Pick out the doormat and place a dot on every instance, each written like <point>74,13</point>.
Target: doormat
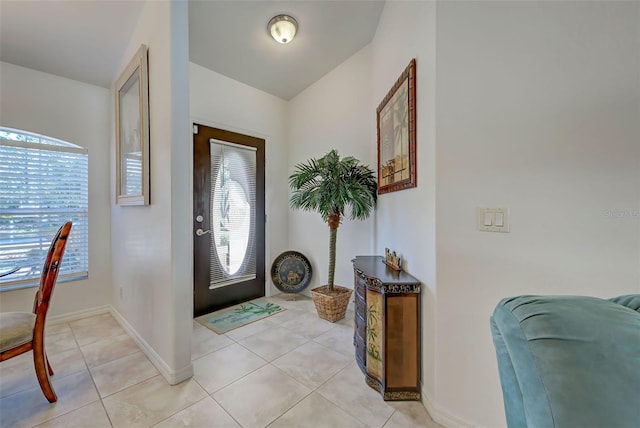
<point>236,316</point>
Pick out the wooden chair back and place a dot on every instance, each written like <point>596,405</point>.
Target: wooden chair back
<point>50,274</point>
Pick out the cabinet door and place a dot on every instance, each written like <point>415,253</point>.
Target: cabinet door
<point>375,330</point>
<point>402,341</point>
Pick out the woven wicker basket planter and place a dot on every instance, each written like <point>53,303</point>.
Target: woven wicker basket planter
<point>331,306</point>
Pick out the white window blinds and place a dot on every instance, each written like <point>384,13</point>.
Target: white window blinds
<point>233,207</point>
<point>43,183</point>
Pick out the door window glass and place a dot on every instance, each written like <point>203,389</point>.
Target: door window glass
<point>233,174</point>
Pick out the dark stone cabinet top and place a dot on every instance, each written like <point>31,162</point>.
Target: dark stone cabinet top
<point>380,276</point>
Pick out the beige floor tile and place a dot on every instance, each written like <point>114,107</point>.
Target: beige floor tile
<point>66,363</point>
<point>348,320</point>
<point>222,367</point>
<point>260,397</point>
<point>93,320</point>
<point>119,374</point>
<point>297,302</point>
<point>308,325</point>
<point>104,319</point>
<point>96,328</point>
<point>340,339</point>
<point>306,353</point>
<point>250,329</point>
<point>106,350</point>
<point>18,374</point>
<point>273,343</point>
<point>204,414</point>
<point>312,364</point>
<point>205,341</point>
<point>54,343</point>
<point>306,305</point>
<point>92,415</point>
<point>57,328</point>
<point>315,411</point>
<point>29,408</point>
<point>150,402</point>
<point>288,315</point>
<point>348,390</point>
<point>410,414</point>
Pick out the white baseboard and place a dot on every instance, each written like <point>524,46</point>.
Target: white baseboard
<point>173,377</point>
<point>72,316</point>
<point>438,415</point>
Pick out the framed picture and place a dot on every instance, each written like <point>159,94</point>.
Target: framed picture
<point>396,123</point>
<point>132,132</point>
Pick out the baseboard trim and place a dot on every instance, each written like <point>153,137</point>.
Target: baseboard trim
<point>73,316</point>
<point>440,416</point>
<point>173,377</point>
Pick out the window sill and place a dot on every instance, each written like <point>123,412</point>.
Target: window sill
<point>19,285</point>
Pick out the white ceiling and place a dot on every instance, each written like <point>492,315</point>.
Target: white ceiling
<point>231,37</point>
<point>80,40</point>
<point>85,40</point>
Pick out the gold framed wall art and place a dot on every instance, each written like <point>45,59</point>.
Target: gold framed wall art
<point>396,126</point>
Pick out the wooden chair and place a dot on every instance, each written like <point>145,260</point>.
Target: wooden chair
<point>21,332</point>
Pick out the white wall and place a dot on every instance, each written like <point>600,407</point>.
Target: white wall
<point>538,108</point>
<point>78,113</point>
<point>151,245</point>
<point>333,113</point>
<point>535,108</point>
<point>224,103</point>
<point>405,220</point>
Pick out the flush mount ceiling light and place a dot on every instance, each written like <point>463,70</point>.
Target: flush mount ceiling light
<point>283,28</point>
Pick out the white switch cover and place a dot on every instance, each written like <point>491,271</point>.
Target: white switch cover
<point>491,219</point>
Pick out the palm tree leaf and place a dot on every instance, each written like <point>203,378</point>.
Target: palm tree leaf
<point>330,185</point>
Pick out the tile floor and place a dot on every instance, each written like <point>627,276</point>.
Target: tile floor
<point>288,370</point>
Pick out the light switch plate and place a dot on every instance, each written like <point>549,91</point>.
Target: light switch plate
<point>495,214</point>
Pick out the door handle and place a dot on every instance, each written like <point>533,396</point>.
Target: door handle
<point>201,232</point>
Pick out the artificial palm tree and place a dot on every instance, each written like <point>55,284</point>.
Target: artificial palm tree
<point>330,186</point>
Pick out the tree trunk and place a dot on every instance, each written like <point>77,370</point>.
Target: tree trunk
<point>334,222</point>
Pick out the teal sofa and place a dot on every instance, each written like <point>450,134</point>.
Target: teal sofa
<point>569,361</point>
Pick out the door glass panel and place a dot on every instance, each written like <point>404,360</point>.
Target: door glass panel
<point>233,183</point>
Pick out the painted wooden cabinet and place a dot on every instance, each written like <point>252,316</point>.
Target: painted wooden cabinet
<point>387,328</point>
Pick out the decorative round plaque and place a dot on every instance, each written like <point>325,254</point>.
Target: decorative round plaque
<point>291,272</point>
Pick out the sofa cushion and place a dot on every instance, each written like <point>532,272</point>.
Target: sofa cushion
<point>569,361</point>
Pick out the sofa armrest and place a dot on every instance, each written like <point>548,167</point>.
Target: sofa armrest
<point>569,361</point>
<point>631,301</point>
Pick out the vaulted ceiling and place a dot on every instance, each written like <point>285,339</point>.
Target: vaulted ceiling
<point>85,40</point>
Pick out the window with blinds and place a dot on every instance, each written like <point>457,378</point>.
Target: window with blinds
<point>233,206</point>
<point>43,183</point>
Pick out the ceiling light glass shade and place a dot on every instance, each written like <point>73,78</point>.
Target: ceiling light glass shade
<point>283,28</point>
